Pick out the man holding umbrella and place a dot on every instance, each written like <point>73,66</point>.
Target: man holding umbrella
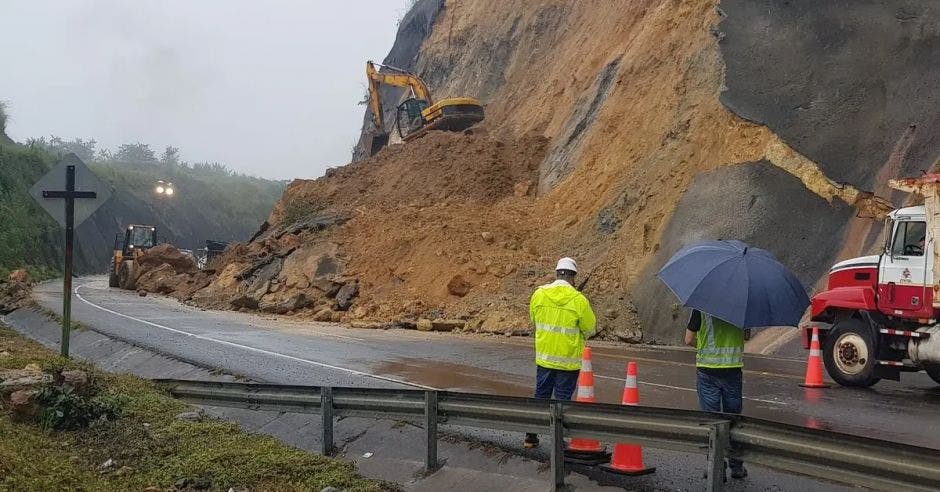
<point>719,360</point>
<point>730,287</point>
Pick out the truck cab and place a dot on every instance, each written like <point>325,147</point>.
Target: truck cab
<point>878,312</point>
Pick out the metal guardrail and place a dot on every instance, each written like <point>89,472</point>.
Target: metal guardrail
<point>821,454</point>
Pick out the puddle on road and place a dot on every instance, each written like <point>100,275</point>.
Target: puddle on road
<point>456,377</point>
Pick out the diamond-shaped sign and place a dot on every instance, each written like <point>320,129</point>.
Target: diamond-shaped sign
<point>85,181</point>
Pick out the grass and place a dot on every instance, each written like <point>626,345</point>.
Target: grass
<point>151,448</point>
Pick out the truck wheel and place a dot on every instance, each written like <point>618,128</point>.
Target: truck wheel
<point>934,372</point>
<point>113,277</point>
<point>126,276</point>
<point>849,354</point>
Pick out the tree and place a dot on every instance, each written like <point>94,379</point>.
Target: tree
<point>55,145</point>
<point>4,116</point>
<point>170,157</point>
<point>135,153</point>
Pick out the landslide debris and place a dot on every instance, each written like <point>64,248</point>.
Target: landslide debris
<point>14,291</point>
<point>163,269</point>
<point>606,139</point>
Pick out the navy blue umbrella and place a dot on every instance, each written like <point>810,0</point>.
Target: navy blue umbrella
<point>744,286</point>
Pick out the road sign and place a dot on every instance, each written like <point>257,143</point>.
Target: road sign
<point>85,181</point>
<point>81,193</point>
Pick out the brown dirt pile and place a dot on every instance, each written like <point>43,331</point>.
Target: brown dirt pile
<point>437,168</point>
<point>163,269</point>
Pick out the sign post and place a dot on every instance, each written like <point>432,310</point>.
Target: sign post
<point>66,174</point>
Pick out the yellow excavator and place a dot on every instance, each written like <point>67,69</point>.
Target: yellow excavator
<point>418,114</point>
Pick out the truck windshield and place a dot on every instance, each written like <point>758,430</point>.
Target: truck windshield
<point>909,239</point>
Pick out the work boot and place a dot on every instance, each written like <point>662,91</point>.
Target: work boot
<point>739,472</point>
<point>531,441</point>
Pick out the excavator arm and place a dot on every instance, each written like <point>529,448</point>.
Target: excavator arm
<point>395,77</point>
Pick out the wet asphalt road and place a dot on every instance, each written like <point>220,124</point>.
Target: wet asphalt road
<point>286,351</point>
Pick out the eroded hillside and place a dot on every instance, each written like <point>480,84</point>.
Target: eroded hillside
<point>616,132</point>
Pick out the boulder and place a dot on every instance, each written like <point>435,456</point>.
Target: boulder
<point>243,301</point>
<point>447,324</point>
<point>76,379</point>
<point>337,317</point>
<point>458,286</point>
<point>487,237</point>
<point>21,276</point>
<point>346,295</point>
<point>425,324</point>
<point>326,285</point>
<point>167,254</point>
<point>22,379</point>
<point>325,314</point>
<point>23,406</point>
<point>195,415</point>
<point>292,303</point>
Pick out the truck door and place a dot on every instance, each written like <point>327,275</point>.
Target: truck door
<point>903,280</point>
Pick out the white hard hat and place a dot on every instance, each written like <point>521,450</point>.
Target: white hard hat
<point>567,264</point>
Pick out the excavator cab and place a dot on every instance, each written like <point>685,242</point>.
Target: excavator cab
<point>410,117</point>
<point>127,249</point>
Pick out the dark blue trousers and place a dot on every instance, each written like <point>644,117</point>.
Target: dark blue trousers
<point>549,381</point>
<point>721,390</point>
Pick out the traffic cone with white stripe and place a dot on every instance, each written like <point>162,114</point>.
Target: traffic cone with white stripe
<point>628,458</point>
<point>814,365</point>
<point>580,450</point>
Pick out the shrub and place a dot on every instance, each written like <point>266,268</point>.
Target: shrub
<point>63,407</point>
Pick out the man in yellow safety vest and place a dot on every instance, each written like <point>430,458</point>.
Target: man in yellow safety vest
<point>719,359</point>
<point>563,321</point>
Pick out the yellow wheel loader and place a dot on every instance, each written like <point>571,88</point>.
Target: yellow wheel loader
<point>128,247</point>
<point>418,114</point>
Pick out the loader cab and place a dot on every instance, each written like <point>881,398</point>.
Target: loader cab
<point>137,238</point>
<point>905,277</point>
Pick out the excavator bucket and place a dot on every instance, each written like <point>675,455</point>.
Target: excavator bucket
<point>375,142</point>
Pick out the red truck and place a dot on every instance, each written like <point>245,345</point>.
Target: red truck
<point>878,315</point>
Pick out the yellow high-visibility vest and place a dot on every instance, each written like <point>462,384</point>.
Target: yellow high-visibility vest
<point>563,321</point>
<point>719,344</point>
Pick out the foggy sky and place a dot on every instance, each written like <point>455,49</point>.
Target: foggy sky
<point>269,88</point>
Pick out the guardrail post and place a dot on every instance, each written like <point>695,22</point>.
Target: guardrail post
<point>430,425</point>
<point>326,412</point>
<point>719,438</point>
<point>558,446</point>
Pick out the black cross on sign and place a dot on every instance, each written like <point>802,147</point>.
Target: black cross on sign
<point>69,195</point>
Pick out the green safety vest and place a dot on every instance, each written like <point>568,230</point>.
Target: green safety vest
<point>563,321</point>
<point>720,344</point>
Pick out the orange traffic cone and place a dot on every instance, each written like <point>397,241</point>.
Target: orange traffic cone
<point>814,365</point>
<point>628,458</point>
<point>580,450</point>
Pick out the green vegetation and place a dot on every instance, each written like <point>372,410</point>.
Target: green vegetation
<point>298,210</point>
<point>212,202</point>
<point>28,236</point>
<point>149,446</point>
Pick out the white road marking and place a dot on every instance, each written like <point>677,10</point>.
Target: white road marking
<point>253,349</point>
<point>657,385</point>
